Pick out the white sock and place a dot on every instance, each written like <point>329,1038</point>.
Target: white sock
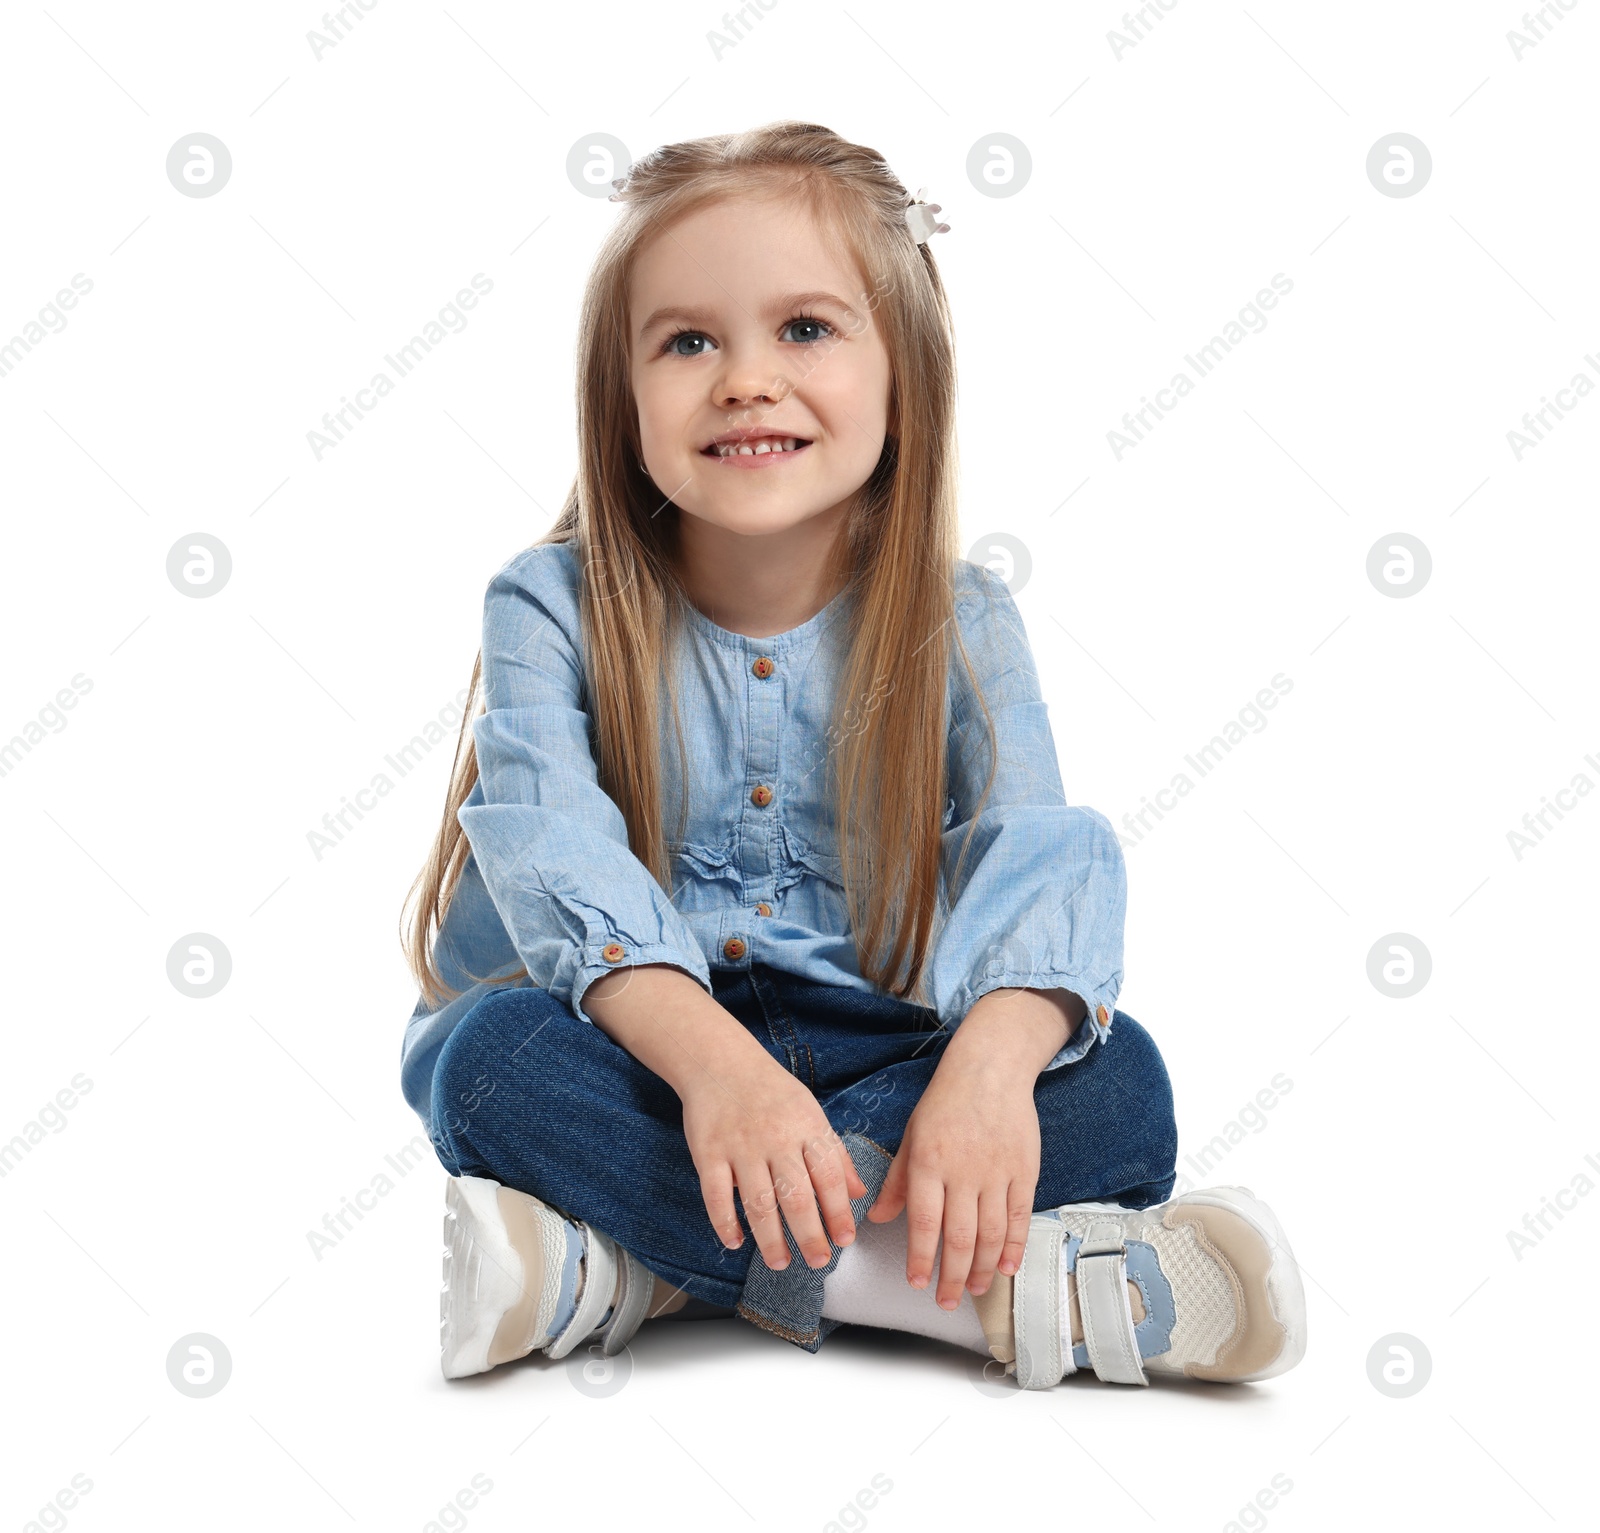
<point>869,1287</point>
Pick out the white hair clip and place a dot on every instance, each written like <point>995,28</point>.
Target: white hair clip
<point>919,217</point>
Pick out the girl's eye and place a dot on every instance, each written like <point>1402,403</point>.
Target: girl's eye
<point>695,343</point>
<point>812,324</point>
<point>684,335</point>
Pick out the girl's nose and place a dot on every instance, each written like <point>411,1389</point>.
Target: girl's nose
<point>749,379</point>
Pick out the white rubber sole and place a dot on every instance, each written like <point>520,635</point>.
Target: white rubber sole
<point>1285,1292</point>
<point>483,1276</point>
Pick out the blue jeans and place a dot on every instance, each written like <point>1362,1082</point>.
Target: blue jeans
<point>530,1096</point>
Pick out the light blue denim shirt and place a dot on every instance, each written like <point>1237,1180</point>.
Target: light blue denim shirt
<point>551,882</point>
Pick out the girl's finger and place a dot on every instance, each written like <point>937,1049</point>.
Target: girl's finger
<point>991,1237</point>
<point>924,1219</point>
<point>798,1199</point>
<point>1019,1215</point>
<point>892,1195</point>
<point>829,1137</point>
<point>852,1178</point>
<point>960,1241</point>
<point>716,1187</point>
<point>826,1161</point>
<point>761,1212</point>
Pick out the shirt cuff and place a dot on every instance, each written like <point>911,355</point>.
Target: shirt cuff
<point>1099,1007</point>
<point>606,957</point>
<point>1089,1032</point>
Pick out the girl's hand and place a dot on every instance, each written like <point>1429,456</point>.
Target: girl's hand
<point>754,1126</point>
<point>968,1166</point>
<point>969,1163</point>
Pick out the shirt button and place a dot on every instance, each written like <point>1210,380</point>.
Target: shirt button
<point>1102,1016</point>
<point>761,796</point>
<point>613,952</point>
<point>733,948</point>
<point>763,667</point>
<point>763,908</point>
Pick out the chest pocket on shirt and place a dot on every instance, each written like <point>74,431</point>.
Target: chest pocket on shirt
<point>800,858</point>
<point>697,866</point>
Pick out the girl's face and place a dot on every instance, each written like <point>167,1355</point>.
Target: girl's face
<point>747,325</point>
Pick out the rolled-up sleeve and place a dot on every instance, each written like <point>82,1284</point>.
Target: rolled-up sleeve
<point>550,843</point>
<point>1042,897</point>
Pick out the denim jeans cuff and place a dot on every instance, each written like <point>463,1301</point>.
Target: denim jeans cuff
<point>789,1302</point>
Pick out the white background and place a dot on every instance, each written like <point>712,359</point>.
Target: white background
<point>1168,186</point>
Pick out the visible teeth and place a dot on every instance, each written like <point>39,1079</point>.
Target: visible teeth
<point>765,444</point>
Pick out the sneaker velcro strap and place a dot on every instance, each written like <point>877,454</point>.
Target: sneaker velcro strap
<point>1038,1308</point>
<point>599,1278</point>
<point>638,1287</point>
<point>1103,1304</point>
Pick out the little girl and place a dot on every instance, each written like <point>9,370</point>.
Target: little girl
<point>759,905</point>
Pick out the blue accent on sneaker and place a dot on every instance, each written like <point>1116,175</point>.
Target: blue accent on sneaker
<point>567,1300</point>
<point>1154,1333</point>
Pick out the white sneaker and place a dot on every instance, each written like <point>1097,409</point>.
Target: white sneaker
<point>511,1263</point>
<point>1217,1286</point>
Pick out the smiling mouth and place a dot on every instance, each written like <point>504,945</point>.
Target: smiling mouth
<point>762,447</point>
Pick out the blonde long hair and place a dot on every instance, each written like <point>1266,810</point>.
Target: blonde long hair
<point>897,552</point>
